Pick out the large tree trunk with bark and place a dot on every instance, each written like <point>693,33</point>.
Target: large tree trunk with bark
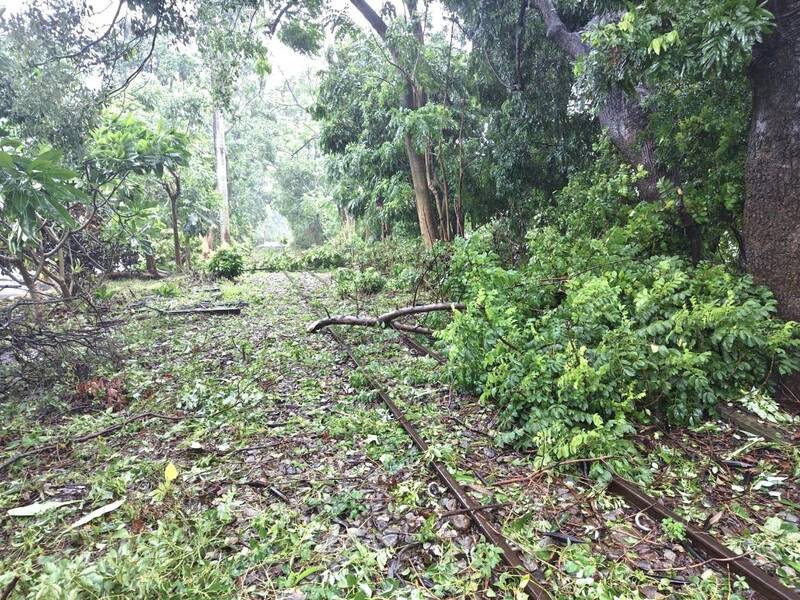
<point>624,119</point>
<point>772,173</point>
<point>413,98</point>
<point>221,161</point>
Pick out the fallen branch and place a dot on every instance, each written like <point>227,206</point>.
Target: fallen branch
<point>387,319</point>
<point>214,310</point>
<point>85,438</point>
<point>9,588</point>
<point>114,275</point>
<point>751,423</point>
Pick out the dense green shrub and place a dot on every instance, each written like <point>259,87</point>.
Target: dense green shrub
<point>351,283</point>
<point>226,262</point>
<point>591,334</point>
<point>404,278</point>
<point>326,256</point>
<point>384,256</point>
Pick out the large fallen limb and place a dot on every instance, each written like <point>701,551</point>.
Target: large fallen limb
<point>753,424</point>
<point>387,319</point>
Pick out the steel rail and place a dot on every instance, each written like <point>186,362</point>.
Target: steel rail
<point>511,557</point>
<point>409,341</point>
<point>758,579</point>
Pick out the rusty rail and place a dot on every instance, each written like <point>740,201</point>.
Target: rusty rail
<point>511,557</point>
<point>758,579</point>
<point>409,341</point>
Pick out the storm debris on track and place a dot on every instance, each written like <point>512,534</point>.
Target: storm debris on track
<point>387,319</point>
<point>716,552</point>
<point>510,555</point>
<point>291,481</point>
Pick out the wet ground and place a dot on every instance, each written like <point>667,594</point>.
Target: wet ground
<point>292,480</point>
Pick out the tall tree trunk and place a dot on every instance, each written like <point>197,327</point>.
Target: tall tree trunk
<point>207,243</point>
<point>426,215</point>
<point>772,172</point>
<point>174,193</point>
<point>150,265</point>
<point>221,161</point>
<point>176,240</point>
<point>620,115</point>
<point>413,98</point>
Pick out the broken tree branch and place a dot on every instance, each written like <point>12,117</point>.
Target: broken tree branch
<point>387,319</point>
<point>214,310</point>
<point>85,438</point>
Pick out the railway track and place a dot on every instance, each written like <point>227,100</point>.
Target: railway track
<point>706,544</point>
<point>510,556</point>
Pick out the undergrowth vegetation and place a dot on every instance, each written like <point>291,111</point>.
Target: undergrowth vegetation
<point>587,335</point>
<point>351,283</point>
<point>227,263</point>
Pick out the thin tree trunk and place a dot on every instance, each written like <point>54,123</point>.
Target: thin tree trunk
<point>61,261</point>
<point>173,201</point>
<point>174,194</point>
<point>460,195</point>
<point>33,292</point>
<point>221,161</point>
<point>413,98</point>
<point>772,172</point>
<point>447,229</point>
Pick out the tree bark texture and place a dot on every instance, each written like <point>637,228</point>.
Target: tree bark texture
<point>772,171</point>
<point>221,161</point>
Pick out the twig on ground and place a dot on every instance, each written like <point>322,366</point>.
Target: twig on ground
<point>85,438</point>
